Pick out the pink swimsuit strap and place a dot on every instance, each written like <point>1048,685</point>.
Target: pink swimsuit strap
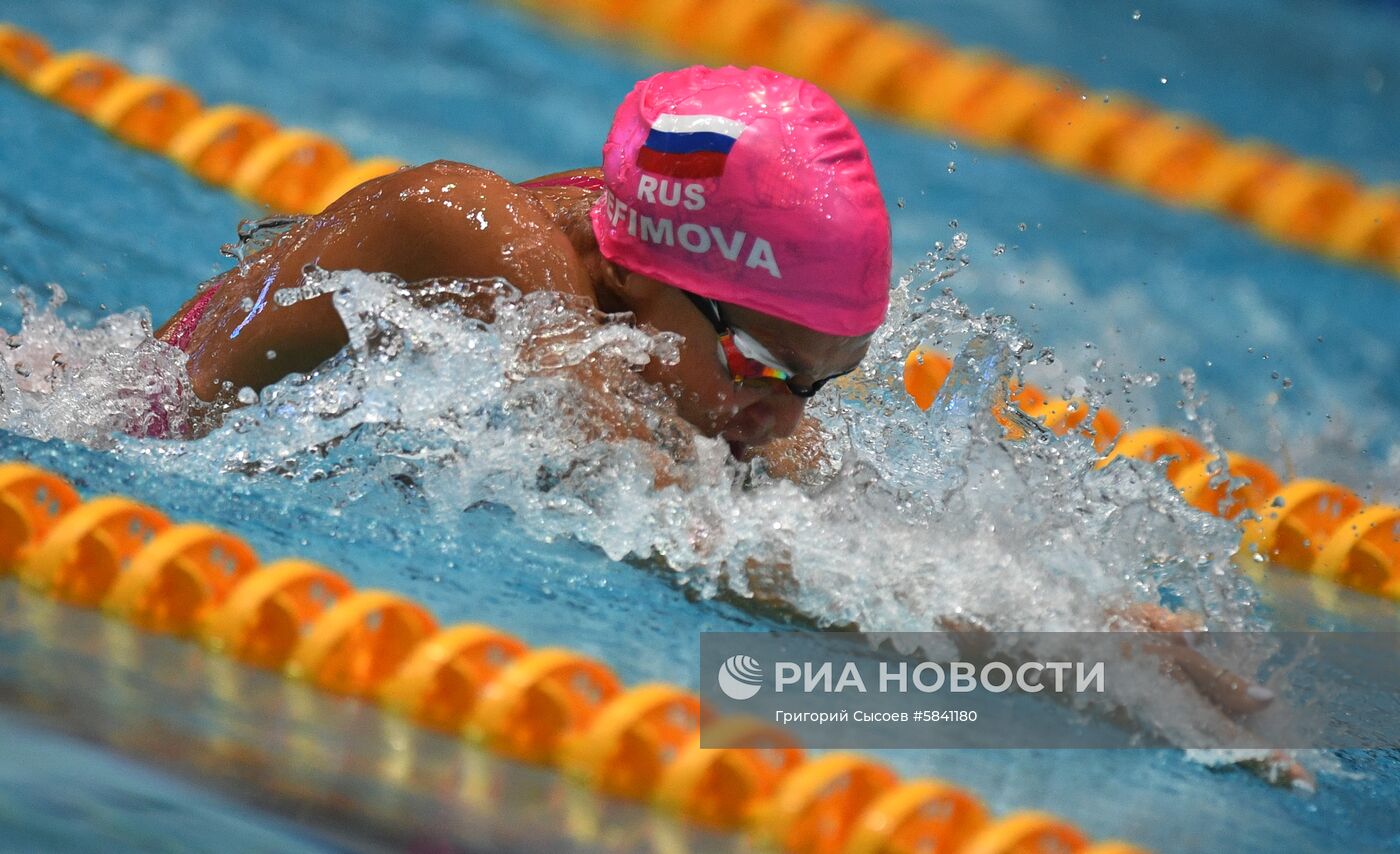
<point>184,327</point>
<point>583,182</point>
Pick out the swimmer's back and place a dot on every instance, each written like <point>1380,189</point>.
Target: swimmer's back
<point>439,220</point>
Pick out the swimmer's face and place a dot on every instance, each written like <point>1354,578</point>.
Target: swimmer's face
<point>752,413</point>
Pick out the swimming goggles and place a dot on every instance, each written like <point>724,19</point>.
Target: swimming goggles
<point>747,360</point>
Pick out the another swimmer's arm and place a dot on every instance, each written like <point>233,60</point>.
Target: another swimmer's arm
<point>441,220</point>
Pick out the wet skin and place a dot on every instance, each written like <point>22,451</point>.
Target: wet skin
<point>447,220</point>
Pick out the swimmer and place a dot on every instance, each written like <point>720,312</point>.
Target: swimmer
<point>735,207</point>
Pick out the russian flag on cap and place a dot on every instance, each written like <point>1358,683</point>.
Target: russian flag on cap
<point>689,146</point>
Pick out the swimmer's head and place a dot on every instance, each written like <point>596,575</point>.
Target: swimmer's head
<point>748,187</point>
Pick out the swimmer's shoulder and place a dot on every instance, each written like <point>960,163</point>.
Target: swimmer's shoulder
<point>447,219</point>
<point>440,183</point>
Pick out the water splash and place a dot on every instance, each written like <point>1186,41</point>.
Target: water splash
<point>255,235</point>
<point>90,385</point>
<point>916,518</point>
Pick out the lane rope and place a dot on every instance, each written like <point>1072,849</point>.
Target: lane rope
<point>884,66</point>
<point>912,75</point>
<point>1309,525</point>
<point>290,170</point>
<point>544,706</point>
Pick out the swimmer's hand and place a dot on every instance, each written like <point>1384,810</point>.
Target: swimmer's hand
<point>793,457</point>
<point>1235,695</point>
<point>1232,693</point>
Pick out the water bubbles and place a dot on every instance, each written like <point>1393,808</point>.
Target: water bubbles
<point>899,202</point>
<point>247,396</point>
<point>315,282</point>
<point>1162,80</point>
<point>953,144</point>
<point>1137,14</point>
<point>271,354</point>
<point>999,249</point>
<point>89,384</point>
<point>952,167</point>
<point>1020,226</point>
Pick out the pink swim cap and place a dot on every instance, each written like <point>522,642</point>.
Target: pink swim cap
<point>749,187</point>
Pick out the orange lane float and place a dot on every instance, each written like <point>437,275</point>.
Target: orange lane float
<point>633,739</point>
<point>540,701</point>
<point>1157,443</point>
<point>725,788</point>
<point>32,501</point>
<point>145,111</point>
<point>1291,528</point>
<point>288,170</point>
<point>818,805</point>
<point>545,706</point>
<point>918,816</point>
<point>20,52</point>
<point>179,579</point>
<point>1364,551</point>
<point>1242,483</point>
<point>1027,832</point>
<point>271,609</point>
<point>75,80</point>
<point>360,641</point>
<point>439,684</point>
<point>214,143</point>
<point>82,556</point>
<point>353,176</point>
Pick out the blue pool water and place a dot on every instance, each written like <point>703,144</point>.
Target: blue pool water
<point>1096,274</point>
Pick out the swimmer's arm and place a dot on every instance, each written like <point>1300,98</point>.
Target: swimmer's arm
<point>441,220</point>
